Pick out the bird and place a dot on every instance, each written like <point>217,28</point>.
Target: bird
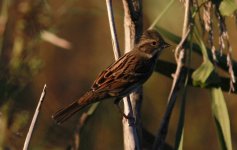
<point>122,77</point>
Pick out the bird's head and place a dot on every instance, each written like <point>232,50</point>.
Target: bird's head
<point>151,43</point>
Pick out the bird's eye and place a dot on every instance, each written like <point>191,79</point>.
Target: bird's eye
<point>154,43</point>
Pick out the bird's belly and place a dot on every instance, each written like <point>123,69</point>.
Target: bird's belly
<point>130,89</point>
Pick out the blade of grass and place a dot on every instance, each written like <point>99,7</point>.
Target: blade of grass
<point>201,74</point>
<point>161,14</point>
<point>221,116</point>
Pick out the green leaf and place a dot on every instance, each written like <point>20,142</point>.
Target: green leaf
<point>227,7</point>
<point>221,116</point>
<point>201,44</point>
<point>201,74</point>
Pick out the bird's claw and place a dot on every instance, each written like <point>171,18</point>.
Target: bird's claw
<point>130,118</point>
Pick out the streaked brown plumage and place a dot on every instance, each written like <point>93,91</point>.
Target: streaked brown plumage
<point>122,77</point>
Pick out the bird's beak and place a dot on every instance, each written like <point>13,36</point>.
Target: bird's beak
<point>165,45</point>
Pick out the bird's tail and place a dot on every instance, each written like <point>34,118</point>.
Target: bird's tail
<point>65,113</point>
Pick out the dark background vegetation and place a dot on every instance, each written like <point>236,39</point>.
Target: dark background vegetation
<point>69,73</point>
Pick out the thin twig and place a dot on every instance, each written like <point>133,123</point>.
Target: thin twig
<point>81,122</point>
<point>177,81</point>
<point>179,46</point>
<point>37,110</point>
<point>112,29</point>
<point>179,55</point>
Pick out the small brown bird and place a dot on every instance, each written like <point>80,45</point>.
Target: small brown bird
<point>122,77</point>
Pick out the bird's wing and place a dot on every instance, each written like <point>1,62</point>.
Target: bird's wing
<point>119,76</point>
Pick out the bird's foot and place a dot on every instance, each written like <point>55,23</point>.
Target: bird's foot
<point>130,118</point>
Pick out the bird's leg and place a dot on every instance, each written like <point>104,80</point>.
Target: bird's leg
<point>116,102</point>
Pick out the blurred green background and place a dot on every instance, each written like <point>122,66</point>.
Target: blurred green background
<point>69,73</point>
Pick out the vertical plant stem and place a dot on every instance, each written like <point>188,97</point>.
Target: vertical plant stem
<point>32,125</point>
<point>115,44</point>
<point>130,132</point>
<point>132,105</point>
